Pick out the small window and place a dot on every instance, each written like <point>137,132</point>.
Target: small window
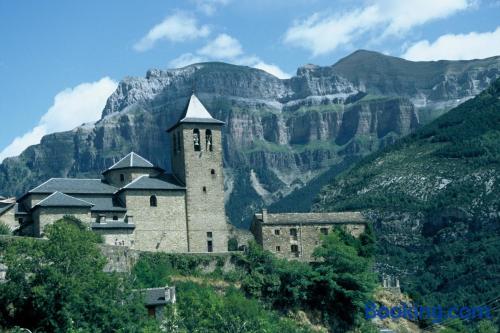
<point>210,246</point>
<point>278,248</point>
<point>209,234</point>
<point>324,231</point>
<point>204,189</point>
<point>208,140</point>
<point>277,232</point>
<point>196,140</point>
<point>20,220</point>
<point>122,177</point>
<point>212,172</point>
<point>115,218</point>
<point>153,202</point>
<point>293,233</point>
<point>295,248</point>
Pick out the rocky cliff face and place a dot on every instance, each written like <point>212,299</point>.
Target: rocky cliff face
<point>279,134</point>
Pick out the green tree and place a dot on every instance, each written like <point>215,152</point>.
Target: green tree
<point>343,281</point>
<point>59,285</point>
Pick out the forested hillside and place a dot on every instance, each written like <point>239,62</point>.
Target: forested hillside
<point>434,199</point>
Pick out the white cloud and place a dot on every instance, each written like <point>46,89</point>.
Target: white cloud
<point>175,28</point>
<point>321,33</point>
<point>457,47</point>
<point>222,47</point>
<point>209,7</point>
<point>271,69</point>
<point>72,107</point>
<point>227,48</point>
<point>186,59</point>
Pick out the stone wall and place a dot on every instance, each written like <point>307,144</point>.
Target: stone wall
<point>204,181</point>
<point>279,239</point>
<point>121,259</point>
<point>160,228</point>
<point>9,219</point>
<point>130,174</point>
<point>43,216</point>
<point>118,237</point>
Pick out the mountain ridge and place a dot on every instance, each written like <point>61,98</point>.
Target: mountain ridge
<point>283,132</point>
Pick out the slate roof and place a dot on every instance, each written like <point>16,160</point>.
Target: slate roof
<point>6,207</point>
<point>132,160</point>
<point>58,199</point>
<point>145,182</point>
<point>313,218</point>
<point>74,186</point>
<point>195,112</point>
<point>113,225</point>
<point>103,204</point>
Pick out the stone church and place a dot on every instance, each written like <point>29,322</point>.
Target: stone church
<point>137,204</point>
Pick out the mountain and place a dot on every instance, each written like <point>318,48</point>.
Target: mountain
<point>434,200</point>
<point>280,134</point>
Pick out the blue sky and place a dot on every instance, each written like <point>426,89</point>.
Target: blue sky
<point>60,60</point>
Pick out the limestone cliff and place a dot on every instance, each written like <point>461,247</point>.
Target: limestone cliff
<point>279,134</point>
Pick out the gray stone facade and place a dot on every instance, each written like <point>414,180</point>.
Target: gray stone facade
<point>296,235</point>
<point>202,173</point>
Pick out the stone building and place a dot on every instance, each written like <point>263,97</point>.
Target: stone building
<point>296,235</point>
<point>137,204</point>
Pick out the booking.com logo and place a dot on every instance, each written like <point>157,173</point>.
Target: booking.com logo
<point>419,312</point>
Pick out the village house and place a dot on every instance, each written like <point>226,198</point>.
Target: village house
<point>296,235</point>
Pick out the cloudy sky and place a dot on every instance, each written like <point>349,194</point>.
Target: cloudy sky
<point>60,60</point>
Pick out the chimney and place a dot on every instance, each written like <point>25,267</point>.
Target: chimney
<point>264,215</point>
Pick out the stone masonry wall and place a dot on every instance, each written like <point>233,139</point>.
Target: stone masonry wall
<point>44,216</point>
<point>204,190</point>
<point>117,237</point>
<point>113,177</point>
<point>160,228</point>
<point>9,219</point>
<point>307,239</point>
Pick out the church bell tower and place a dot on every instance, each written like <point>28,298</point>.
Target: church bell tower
<point>197,162</point>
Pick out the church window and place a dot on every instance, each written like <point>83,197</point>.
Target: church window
<point>153,202</point>
<point>196,139</point>
<point>175,144</point>
<point>208,139</point>
<point>122,177</point>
